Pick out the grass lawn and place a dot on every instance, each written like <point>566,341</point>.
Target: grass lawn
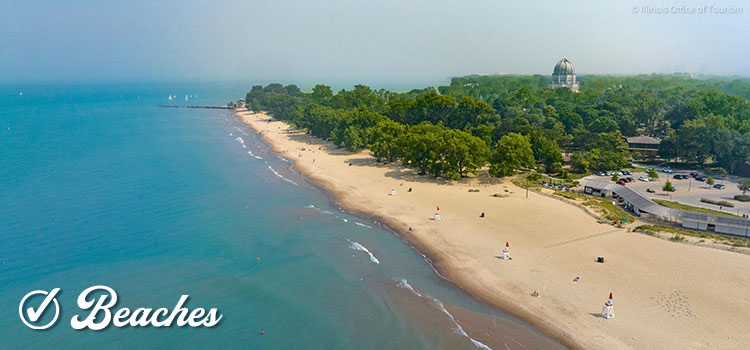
<point>676,205</point>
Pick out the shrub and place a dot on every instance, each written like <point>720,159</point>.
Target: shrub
<point>721,203</point>
<point>742,197</point>
<point>668,187</point>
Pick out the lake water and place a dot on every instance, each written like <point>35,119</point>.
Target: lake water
<point>99,186</point>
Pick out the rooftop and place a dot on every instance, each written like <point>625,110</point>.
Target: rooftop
<point>643,139</point>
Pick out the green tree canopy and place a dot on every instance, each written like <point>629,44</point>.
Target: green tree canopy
<point>512,151</point>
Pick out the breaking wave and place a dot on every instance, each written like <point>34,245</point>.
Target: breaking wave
<point>458,329</point>
<point>361,224</point>
<point>251,153</point>
<point>357,246</point>
<point>281,176</point>
<point>241,141</point>
<point>403,283</point>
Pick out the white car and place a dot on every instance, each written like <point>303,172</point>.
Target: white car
<point>644,179</point>
<point>667,170</point>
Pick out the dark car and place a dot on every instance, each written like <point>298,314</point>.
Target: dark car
<point>625,172</point>
<point>680,176</point>
<point>701,178</point>
<point>719,186</point>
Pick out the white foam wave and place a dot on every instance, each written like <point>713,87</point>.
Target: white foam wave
<point>361,224</point>
<point>310,206</point>
<point>251,153</point>
<point>281,176</point>
<point>458,329</point>
<point>240,130</point>
<point>241,141</point>
<point>357,246</point>
<point>427,260</point>
<point>284,159</point>
<point>403,283</point>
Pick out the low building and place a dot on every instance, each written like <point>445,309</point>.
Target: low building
<point>642,206</point>
<point>645,145</point>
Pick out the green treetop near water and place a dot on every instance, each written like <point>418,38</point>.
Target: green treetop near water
<point>463,127</point>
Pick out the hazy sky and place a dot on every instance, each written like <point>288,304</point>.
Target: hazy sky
<point>375,41</point>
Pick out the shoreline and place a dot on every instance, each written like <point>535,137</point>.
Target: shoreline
<point>441,251</point>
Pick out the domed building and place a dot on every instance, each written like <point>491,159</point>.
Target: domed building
<point>564,75</point>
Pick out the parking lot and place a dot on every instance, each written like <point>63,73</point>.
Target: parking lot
<point>688,191</point>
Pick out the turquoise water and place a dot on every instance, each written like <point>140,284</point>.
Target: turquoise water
<point>99,186</point>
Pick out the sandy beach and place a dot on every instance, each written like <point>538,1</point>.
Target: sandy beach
<point>667,295</point>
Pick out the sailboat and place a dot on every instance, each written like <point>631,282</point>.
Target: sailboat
<point>186,98</point>
<point>170,97</point>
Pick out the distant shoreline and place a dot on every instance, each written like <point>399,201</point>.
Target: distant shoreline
<point>639,270</point>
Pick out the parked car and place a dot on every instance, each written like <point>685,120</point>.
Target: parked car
<point>644,179</point>
<point>625,172</point>
<point>667,170</point>
<point>701,178</point>
<point>621,182</point>
<point>649,190</point>
<point>681,177</point>
<point>601,173</point>
<point>693,174</point>
<point>719,186</point>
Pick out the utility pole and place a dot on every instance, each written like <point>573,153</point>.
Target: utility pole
<point>527,185</point>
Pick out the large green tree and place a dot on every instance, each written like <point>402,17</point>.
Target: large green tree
<point>512,151</point>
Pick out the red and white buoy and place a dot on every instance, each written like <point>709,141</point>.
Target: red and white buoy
<point>437,214</point>
<point>608,311</point>
<point>506,252</point>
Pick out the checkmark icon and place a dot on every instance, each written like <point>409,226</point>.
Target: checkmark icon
<point>34,315</point>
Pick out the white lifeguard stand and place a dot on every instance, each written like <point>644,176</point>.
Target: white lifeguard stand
<point>437,214</point>
<point>608,311</point>
<point>506,252</point>
<point>393,191</point>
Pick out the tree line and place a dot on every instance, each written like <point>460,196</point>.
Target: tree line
<point>512,122</point>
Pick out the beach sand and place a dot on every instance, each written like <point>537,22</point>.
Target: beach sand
<point>667,295</point>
